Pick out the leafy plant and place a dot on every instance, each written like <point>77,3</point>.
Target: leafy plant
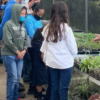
<point>90,63</point>
<point>83,90</point>
<point>85,65</point>
<point>84,41</point>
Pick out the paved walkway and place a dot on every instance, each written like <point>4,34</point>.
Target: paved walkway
<point>75,79</point>
<point>3,85</point>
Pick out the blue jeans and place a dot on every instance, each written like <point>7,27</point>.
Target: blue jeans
<point>14,70</point>
<point>60,80</point>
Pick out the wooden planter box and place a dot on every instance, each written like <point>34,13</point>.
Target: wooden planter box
<point>89,77</point>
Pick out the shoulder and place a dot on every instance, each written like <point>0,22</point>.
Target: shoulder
<point>67,27</point>
<point>45,30</point>
<point>9,5</point>
<point>7,25</point>
<point>26,5</point>
<point>29,17</point>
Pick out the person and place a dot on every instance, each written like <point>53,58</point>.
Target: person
<point>6,17</point>
<point>33,22</point>
<point>3,2</point>
<point>30,4</point>
<point>2,7</point>
<point>58,50</point>
<point>14,45</point>
<point>27,60</point>
<point>39,73</point>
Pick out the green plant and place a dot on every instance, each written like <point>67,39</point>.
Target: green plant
<point>90,63</point>
<point>84,41</point>
<point>85,65</point>
<point>83,90</point>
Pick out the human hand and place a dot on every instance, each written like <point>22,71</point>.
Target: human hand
<point>97,39</point>
<point>23,52</point>
<point>19,56</point>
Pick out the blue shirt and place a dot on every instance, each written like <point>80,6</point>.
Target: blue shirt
<point>31,24</point>
<point>7,15</point>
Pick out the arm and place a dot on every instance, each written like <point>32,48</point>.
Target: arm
<point>25,46</point>
<point>42,54</point>
<point>29,25</point>
<point>97,39</point>
<point>7,38</point>
<point>71,43</point>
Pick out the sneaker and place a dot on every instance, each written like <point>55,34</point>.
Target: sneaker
<point>21,95</point>
<point>30,91</point>
<point>21,89</point>
<point>18,98</point>
<point>35,95</point>
<point>21,85</point>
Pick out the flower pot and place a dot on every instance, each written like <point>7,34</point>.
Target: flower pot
<point>96,76</point>
<point>87,71</point>
<point>91,73</point>
<point>76,65</point>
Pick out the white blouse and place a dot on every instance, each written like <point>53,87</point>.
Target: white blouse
<point>59,55</point>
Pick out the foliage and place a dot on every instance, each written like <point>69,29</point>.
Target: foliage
<point>83,90</point>
<point>84,41</point>
<point>90,63</point>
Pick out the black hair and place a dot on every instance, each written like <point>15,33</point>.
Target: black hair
<point>29,0</point>
<point>24,8</point>
<point>37,7</point>
<point>37,36</point>
<point>34,5</point>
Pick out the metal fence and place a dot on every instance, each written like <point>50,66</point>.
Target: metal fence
<point>83,14</point>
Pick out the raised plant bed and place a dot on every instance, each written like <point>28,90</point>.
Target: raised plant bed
<point>91,52</point>
<point>89,77</point>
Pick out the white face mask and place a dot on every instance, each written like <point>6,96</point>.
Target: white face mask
<point>24,2</point>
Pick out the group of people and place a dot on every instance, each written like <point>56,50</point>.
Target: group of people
<point>49,50</point>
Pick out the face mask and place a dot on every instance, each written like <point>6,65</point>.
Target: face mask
<point>22,2</point>
<point>5,3</point>
<point>37,17</point>
<point>21,19</point>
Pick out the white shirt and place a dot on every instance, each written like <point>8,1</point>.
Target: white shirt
<point>60,55</point>
<point>29,11</point>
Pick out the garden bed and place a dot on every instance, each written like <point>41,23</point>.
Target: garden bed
<point>91,52</point>
<point>84,43</point>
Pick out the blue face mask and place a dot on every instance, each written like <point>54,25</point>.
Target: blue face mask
<point>21,19</point>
